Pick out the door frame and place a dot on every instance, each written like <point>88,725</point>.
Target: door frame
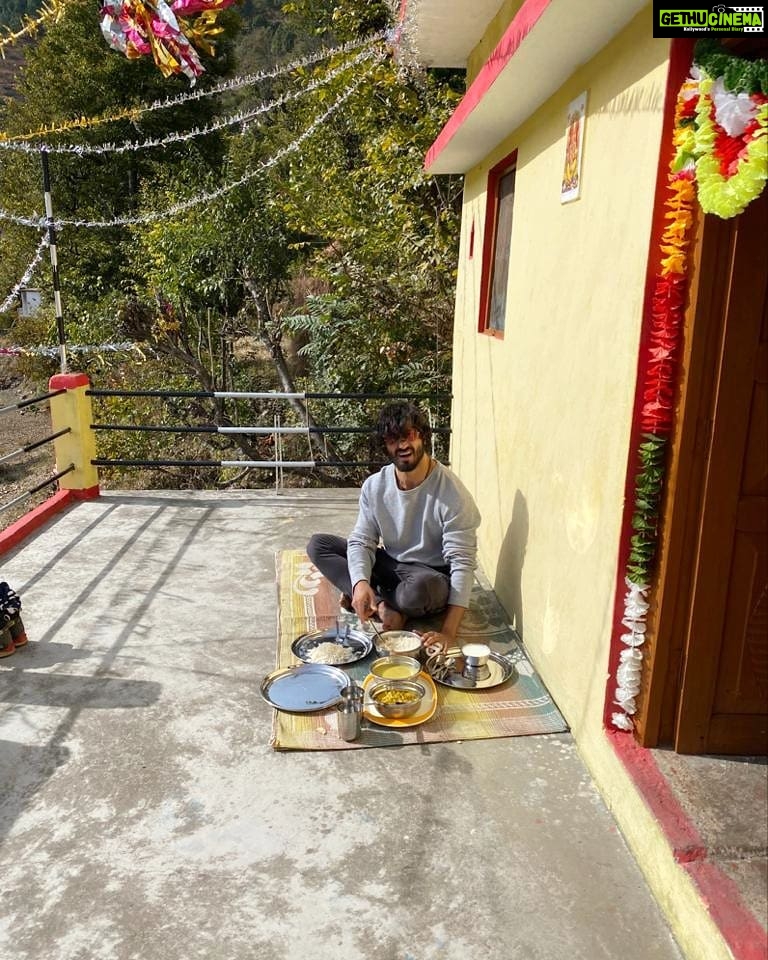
<point>668,712</point>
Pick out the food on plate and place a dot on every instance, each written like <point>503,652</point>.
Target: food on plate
<point>396,695</point>
<point>394,671</point>
<point>328,652</point>
<point>400,641</point>
<point>397,700</point>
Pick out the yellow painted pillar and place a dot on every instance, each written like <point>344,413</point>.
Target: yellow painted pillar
<point>73,409</point>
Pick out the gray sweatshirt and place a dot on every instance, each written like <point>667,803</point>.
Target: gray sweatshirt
<point>435,523</point>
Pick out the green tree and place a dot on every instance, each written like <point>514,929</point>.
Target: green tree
<point>71,73</point>
<point>331,269</point>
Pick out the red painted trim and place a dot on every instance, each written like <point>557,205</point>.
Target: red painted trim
<point>68,381</point>
<point>652,785</point>
<point>87,493</point>
<point>25,526</point>
<point>743,933</point>
<point>489,241</point>
<point>680,60</point>
<point>524,21</point>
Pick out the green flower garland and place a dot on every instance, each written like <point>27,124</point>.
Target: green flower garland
<point>739,75</point>
<point>645,518</point>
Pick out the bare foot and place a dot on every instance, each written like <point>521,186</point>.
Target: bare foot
<point>390,619</point>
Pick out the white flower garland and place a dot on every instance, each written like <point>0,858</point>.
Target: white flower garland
<point>629,671</point>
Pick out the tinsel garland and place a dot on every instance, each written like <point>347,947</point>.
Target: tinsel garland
<point>49,13</point>
<point>231,85</point>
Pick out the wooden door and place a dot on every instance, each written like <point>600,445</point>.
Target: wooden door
<point>722,705</point>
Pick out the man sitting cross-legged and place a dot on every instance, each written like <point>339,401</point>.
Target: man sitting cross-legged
<point>413,549</point>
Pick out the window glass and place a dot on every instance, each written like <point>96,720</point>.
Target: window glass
<point>502,240</point>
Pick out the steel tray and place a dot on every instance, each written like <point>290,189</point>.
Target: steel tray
<point>357,644</point>
<point>451,674</point>
<point>305,688</point>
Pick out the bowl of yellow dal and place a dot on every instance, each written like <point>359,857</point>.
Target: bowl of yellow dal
<point>395,667</point>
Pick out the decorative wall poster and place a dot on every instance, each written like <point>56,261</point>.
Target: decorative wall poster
<point>574,141</point>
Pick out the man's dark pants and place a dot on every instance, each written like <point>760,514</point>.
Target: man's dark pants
<point>413,589</point>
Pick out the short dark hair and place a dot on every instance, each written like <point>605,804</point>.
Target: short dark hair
<point>396,419</point>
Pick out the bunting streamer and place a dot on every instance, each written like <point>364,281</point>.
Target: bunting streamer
<point>225,86</point>
<point>139,28</point>
<point>175,209</point>
<point>244,119</point>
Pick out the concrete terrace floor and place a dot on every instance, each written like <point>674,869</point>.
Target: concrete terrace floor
<point>143,814</point>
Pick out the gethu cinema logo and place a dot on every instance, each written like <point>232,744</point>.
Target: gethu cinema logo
<point>749,19</point>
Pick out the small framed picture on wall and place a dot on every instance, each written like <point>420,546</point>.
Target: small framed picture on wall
<point>574,142</point>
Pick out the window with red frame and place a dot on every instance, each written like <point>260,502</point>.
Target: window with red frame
<point>496,246</point>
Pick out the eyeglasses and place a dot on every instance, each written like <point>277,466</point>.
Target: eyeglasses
<point>391,438</point>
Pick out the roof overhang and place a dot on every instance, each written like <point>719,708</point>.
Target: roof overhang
<point>443,33</point>
<point>544,44</point>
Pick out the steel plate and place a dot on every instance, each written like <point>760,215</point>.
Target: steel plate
<point>500,670</point>
<point>356,643</point>
<point>305,688</point>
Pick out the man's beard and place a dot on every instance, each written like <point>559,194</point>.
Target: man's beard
<point>409,465</point>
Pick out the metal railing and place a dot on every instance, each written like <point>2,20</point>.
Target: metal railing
<point>277,430</point>
<point>73,415</point>
<point>27,448</point>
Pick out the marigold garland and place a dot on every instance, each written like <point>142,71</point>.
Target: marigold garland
<point>720,138</point>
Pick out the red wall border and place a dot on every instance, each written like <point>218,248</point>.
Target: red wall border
<point>25,526</point>
<point>743,933</point>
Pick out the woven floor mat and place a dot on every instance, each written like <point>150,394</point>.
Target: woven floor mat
<point>520,706</point>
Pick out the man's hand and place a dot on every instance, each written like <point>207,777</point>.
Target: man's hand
<point>432,639</point>
<point>446,636</point>
<point>364,600</point>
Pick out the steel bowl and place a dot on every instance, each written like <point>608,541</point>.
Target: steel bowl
<point>392,707</point>
<point>398,643</point>
<point>395,668</point>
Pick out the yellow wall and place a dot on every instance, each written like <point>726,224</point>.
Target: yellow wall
<point>542,417</point>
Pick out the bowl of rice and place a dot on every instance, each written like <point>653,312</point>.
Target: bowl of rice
<point>401,643</point>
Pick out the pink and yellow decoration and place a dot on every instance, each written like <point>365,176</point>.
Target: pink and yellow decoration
<point>169,33</point>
